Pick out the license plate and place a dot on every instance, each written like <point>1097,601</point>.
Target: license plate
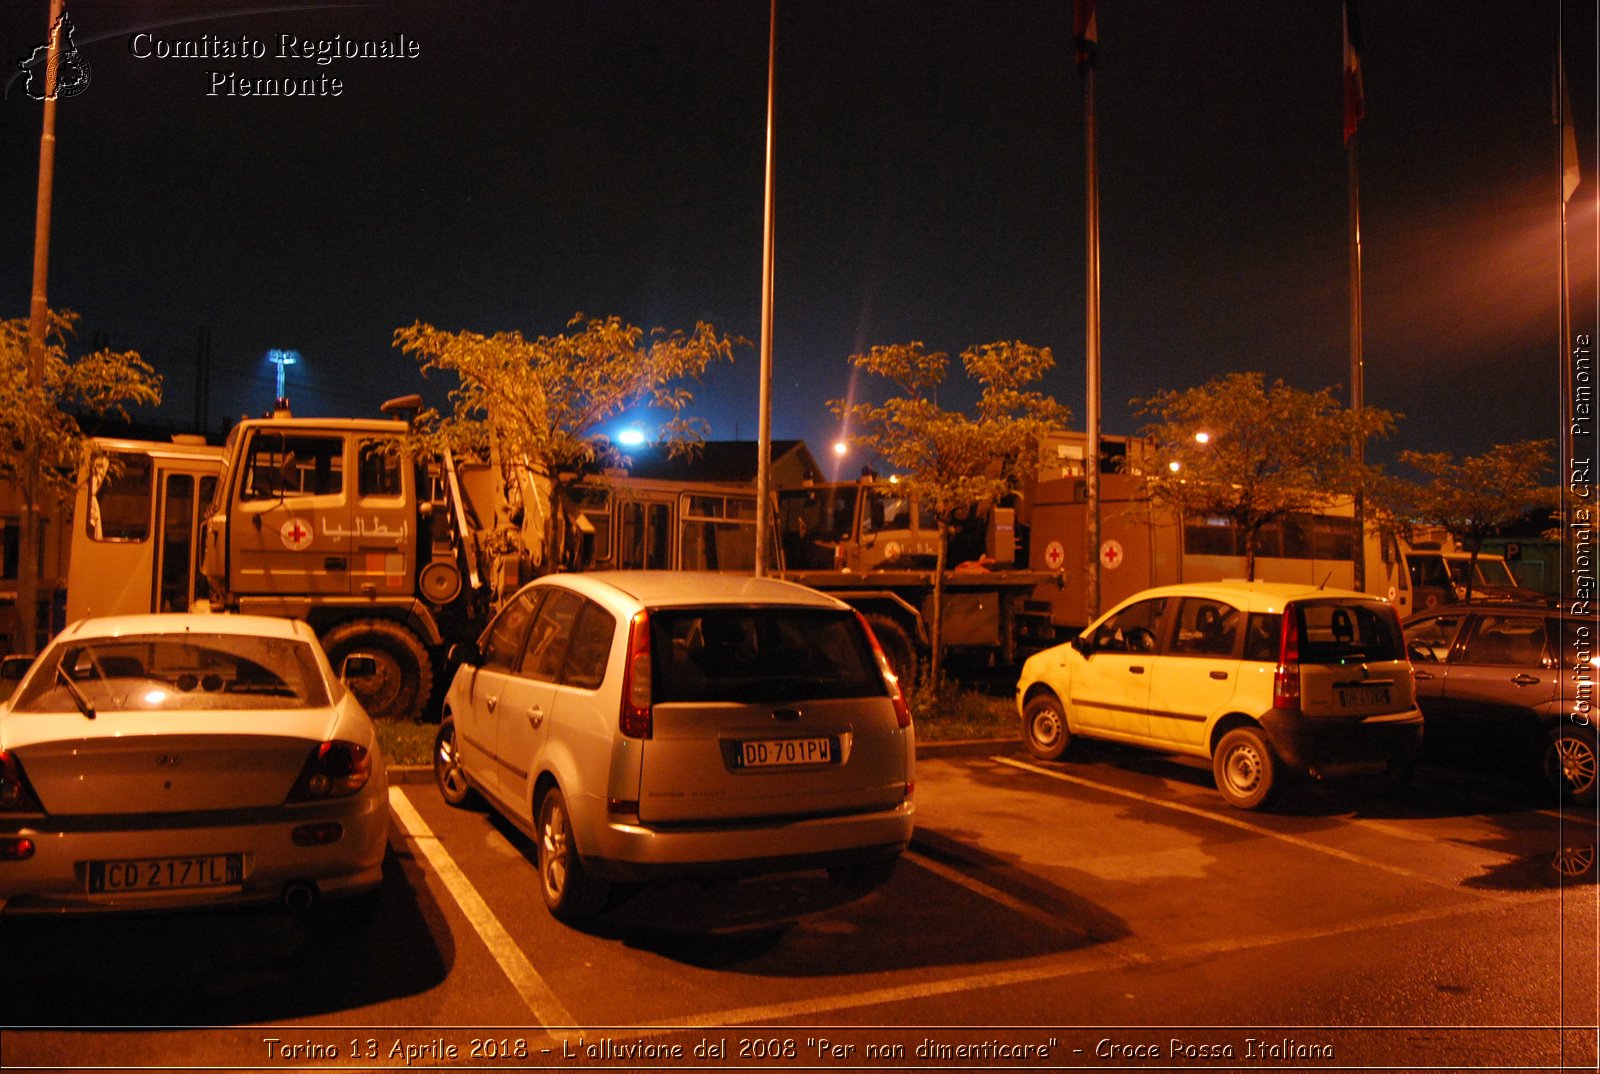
<point>779,752</point>
<point>161,874</point>
<point>1350,696</point>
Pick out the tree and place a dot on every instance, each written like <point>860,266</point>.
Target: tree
<point>947,462</point>
<point>101,383</point>
<point>1475,497</point>
<point>1255,454</point>
<point>535,406</point>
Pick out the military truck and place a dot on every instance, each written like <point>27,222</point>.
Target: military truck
<point>871,545</point>
<point>334,521</point>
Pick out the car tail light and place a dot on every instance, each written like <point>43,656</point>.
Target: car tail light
<point>635,719</point>
<point>16,796</point>
<point>335,769</point>
<point>317,835</point>
<point>16,848</point>
<point>1286,680</point>
<point>902,709</point>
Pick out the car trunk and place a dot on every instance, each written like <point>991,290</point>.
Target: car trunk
<point>1352,660</point>
<point>725,761</point>
<point>166,773</point>
<point>767,712</point>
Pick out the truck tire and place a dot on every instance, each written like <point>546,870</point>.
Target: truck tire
<point>896,645</point>
<point>403,682</point>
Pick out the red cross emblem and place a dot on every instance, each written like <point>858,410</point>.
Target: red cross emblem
<point>296,535</point>
<point>1111,555</point>
<point>1054,554</point>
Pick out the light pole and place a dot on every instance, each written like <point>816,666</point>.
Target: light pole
<point>281,359</point>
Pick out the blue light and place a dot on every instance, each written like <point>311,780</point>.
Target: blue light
<point>281,359</point>
<point>630,438</point>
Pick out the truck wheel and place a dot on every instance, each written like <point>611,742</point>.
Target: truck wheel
<point>402,683</point>
<point>896,645</point>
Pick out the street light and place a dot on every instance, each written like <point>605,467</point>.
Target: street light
<point>281,359</point>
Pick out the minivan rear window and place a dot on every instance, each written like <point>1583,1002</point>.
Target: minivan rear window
<point>761,654</point>
<point>1339,631</point>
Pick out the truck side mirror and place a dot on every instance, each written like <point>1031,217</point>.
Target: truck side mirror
<point>358,666</point>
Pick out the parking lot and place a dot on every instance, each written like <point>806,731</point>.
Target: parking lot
<point>1039,902</point>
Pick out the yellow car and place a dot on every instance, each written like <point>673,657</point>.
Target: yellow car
<point>1257,677</point>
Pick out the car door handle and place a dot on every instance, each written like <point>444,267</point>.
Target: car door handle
<point>1525,679</point>
<point>490,702</point>
<point>535,716</point>
<point>1422,676</point>
<point>1137,669</point>
<point>1220,676</point>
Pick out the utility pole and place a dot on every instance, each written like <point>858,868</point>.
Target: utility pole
<point>28,544</point>
<point>764,421</point>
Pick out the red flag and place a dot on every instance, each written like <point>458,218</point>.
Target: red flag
<point>1569,140</point>
<point>1085,35</point>
<point>1355,105</point>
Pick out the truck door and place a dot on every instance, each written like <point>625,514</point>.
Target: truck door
<point>384,545</point>
<point>179,583</point>
<point>292,525</point>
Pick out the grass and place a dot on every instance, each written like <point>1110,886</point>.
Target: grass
<point>955,712</point>
<point>943,715</point>
<point>406,741</point>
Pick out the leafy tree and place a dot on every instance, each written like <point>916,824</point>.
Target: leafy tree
<point>41,440</point>
<point>1475,497</point>
<point>949,462</point>
<point>1255,454</point>
<point>534,407</point>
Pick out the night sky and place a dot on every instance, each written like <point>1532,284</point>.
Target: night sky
<point>543,157</point>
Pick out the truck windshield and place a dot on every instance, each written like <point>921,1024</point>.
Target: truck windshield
<point>813,521</point>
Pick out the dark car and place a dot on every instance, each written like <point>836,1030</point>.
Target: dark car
<point>1510,682</point>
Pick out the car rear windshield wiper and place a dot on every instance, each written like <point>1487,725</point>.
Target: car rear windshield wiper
<point>77,695</point>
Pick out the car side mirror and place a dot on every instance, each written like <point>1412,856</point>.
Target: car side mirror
<point>358,666</point>
<point>465,653</point>
<point>1083,644</point>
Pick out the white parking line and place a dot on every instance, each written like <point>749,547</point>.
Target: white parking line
<point>1114,957</point>
<point>546,1008</point>
<point>1256,829</point>
<point>1052,921</point>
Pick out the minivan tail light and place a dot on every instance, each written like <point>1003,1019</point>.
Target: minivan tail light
<point>902,708</point>
<point>635,719</point>
<point>1286,680</point>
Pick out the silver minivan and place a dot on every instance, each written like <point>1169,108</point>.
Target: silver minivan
<point>644,725</point>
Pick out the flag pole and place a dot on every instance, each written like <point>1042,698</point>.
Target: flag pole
<point>1354,110</point>
<point>764,420</point>
<point>1087,35</point>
